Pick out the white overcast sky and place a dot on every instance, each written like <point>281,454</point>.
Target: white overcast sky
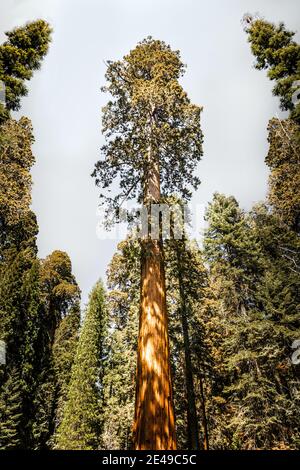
<point>64,104</point>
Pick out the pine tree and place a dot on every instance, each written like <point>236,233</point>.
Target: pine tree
<point>54,378</point>
<point>82,416</point>
<point>20,308</point>
<point>284,180</point>
<point>64,351</point>
<point>123,278</point>
<point>280,293</point>
<point>57,344</point>
<point>254,337</point>
<point>154,143</point>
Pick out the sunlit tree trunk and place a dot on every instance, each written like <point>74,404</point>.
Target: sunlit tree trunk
<point>154,424</point>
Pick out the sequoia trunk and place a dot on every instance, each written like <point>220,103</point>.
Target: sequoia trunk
<point>154,424</point>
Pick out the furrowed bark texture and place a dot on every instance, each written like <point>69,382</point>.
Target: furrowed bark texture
<point>154,424</point>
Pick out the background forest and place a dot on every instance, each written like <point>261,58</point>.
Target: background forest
<point>69,378</point>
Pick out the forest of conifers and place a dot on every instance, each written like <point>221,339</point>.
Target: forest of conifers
<point>184,346</point>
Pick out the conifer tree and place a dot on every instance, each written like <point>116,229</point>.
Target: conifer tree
<point>275,50</point>
<point>153,143</point>
<point>35,299</point>
<point>186,279</point>
<point>16,159</point>
<point>123,295</point>
<point>123,278</point>
<point>81,425</point>
<point>20,303</point>
<point>10,413</point>
<point>284,180</point>
<point>20,309</point>
<point>20,55</point>
<point>254,338</point>
<point>57,344</point>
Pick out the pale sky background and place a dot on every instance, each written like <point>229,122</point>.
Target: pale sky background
<point>64,104</point>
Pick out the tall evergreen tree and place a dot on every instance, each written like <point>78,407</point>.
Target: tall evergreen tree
<point>82,420</point>
<point>186,278</point>
<point>10,412</point>
<point>123,278</point>
<point>284,180</point>
<point>254,337</point>
<point>154,142</point>
<point>57,344</point>
<point>123,295</point>
<point>20,301</point>
<point>20,312</point>
<point>20,305</point>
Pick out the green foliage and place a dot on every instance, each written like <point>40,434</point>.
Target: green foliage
<point>10,413</point>
<point>148,108</point>
<point>274,49</point>
<point>60,289</point>
<point>186,279</point>
<point>58,341</point>
<point>20,314</point>
<point>20,55</point>
<point>54,378</point>
<point>120,365</point>
<point>82,418</point>
<point>16,160</point>
<point>234,309</point>
<point>121,343</point>
<point>283,161</point>
<point>39,302</point>
<point>256,304</point>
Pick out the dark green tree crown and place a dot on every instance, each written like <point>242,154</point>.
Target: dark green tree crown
<point>275,50</point>
<point>20,55</point>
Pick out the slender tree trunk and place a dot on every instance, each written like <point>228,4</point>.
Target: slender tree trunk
<point>154,423</point>
<point>192,421</point>
<point>204,419</point>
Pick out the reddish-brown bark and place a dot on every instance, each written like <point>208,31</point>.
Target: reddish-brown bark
<point>154,423</point>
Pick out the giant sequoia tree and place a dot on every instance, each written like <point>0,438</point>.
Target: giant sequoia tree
<point>153,144</point>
